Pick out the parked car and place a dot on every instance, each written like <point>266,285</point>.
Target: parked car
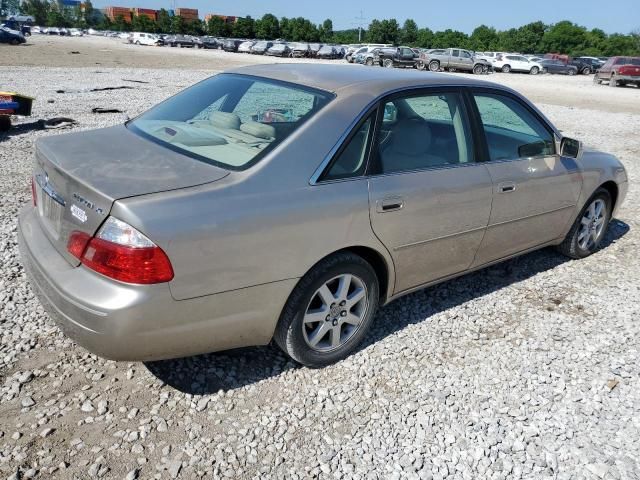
<point>453,59</point>
<point>180,41</point>
<point>300,50</point>
<point>328,52</point>
<point>122,257</point>
<point>12,37</point>
<point>261,47</point>
<point>245,47</point>
<point>369,58</point>
<point>558,66</point>
<point>516,63</point>
<point>76,32</point>
<point>593,62</point>
<point>53,31</point>
<point>279,50</point>
<point>403,57</point>
<point>314,48</point>
<point>619,71</point>
<point>141,38</point>
<point>231,45</point>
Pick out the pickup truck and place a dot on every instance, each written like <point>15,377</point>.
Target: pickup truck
<point>453,59</point>
<point>619,71</point>
<point>397,57</point>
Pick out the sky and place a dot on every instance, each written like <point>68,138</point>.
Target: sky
<point>621,16</point>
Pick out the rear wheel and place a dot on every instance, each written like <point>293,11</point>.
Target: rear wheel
<point>613,82</point>
<point>534,70</point>
<point>590,227</point>
<point>545,70</point>
<point>434,66</point>
<point>478,69</point>
<point>368,62</point>
<point>329,311</point>
<point>572,72</point>
<point>506,68</point>
<point>586,71</point>
<point>420,65</point>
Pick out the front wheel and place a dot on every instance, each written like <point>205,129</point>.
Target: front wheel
<point>590,227</point>
<point>478,69</point>
<point>369,62</point>
<point>586,71</point>
<point>572,72</point>
<point>388,63</point>
<point>329,312</point>
<point>506,69</point>
<point>534,71</point>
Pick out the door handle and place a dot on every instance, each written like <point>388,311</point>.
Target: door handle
<point>389,204</point>
<point>507,187</point>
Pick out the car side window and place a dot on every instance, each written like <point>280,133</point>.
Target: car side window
<point>350,161</point>
<point>422,131</point>
<point>511,130</point>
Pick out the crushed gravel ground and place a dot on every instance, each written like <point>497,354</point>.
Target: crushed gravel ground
<point>528,369</point>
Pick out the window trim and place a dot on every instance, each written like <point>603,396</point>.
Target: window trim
<point>416,92</point>
<point>372,114</point>
<point>485,156</point>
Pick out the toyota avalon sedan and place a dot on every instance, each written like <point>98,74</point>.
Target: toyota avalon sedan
<point>288,202</point>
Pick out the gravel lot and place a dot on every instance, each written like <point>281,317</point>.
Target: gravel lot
<point>529,369</point>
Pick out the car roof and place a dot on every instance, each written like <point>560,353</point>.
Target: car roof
<point>334,78</point>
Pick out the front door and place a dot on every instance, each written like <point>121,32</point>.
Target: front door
<point>535,190</point>
<point>429,200</point>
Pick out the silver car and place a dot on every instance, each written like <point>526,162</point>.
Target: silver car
<point>248,208</point>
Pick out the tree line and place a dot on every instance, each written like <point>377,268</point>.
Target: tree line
<point>536,37</point>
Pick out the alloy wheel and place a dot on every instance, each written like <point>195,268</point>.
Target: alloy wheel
<point>592,224</point>
<point>335,313</point>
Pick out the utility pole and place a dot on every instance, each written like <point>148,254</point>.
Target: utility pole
<point>360,19</point>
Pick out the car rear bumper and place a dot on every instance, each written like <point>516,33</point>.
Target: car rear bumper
<point>143,322</point>
<point>628,78</point>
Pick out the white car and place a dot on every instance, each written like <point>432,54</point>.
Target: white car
<point>516,63</point>
<point>139,38</point>
<point>75,32</point>
<point>245,47</point>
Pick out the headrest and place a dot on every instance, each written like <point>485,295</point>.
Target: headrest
<point>411,136</point>
<point>260,130</point>
<point>225,120</point>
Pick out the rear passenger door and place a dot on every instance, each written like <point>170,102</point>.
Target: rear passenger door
<point>429,200</point>
<point>535,190</point>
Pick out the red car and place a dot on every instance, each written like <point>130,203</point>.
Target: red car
<point>620,71</point>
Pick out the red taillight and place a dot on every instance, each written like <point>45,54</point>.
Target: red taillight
<point>77,243</point>
<point>121,252</point>
<point>128,264</point>
<point>34,193</point>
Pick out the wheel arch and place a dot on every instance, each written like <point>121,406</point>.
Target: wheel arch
<point>612,188</point>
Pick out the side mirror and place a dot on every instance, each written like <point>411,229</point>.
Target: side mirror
<point>570,147</point>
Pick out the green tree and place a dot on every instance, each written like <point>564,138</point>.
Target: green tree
<point>383,31</point>
<point>38,9</point>
<point>178,25</point>
<point>119,24</point>
<point>325,31</point>
<point>142,23</point>
<point>163,21</point>
<point>409,32</point>
<point>483,38</point>
<point>618,44</point>
<point>244,28</point>
<point>564,37</point>
<point>346,36</point>
<point>425,38</point>
<point>268,27</point>
<point>216,27</point>
<point>9,7</point>
<point>450,38</point>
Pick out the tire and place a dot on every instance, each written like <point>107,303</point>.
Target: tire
<point>506,68</point>
<point>369,62</point>
<point>586,71</point>
<point>596,80</point>
<point>613,82</point>
<point>434,66</point>
<point>5,123</point>
<point>295,337</point>
<point>534,71</point>
<point>545,70</point>
<point>137,42</point>
<point>387,63</point>
<point>574,245</point>
<point>572,72</point>
<point>14,41</point>
<point>478,69</point>
<point>421,66</point>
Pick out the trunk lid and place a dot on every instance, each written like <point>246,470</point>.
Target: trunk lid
<point>631,70</point>
<point>79,176</point>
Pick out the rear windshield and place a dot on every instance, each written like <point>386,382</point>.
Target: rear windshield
<point>230,120</point>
